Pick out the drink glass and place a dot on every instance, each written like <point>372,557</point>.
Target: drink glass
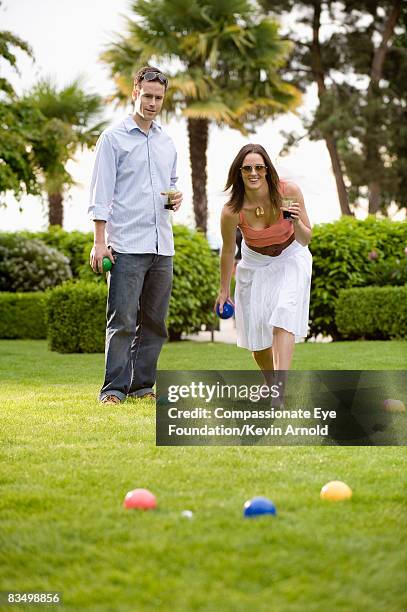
<point>287,203</point>
<point>169,194</point>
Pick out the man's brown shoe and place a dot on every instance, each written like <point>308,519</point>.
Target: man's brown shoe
<point>149,396</point>
<point>110,399</point>
<point>137,398</point>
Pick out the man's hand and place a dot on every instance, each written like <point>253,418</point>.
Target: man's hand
<point>98,252</point>
<point>176,199</point>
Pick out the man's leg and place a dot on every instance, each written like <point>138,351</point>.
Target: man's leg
<point>125,286</point>
<point>151,331</point>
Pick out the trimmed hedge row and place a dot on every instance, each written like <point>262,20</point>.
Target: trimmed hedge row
<point>76,317</point>
<point>22,315</point>
<point>342,258</point>
<point>77,310</point>
<point>347,253</point>
<point>377,313</point>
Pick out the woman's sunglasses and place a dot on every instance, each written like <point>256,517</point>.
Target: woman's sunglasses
<point>258,168</point>
<point>152,76</point>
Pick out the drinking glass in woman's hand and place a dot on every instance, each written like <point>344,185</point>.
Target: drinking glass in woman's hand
<point>287,203</point>
<point>291,209</point>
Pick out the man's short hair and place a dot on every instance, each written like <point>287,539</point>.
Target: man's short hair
<point>139,76</point>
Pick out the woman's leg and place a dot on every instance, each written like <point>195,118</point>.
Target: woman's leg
<point>264,360</point>
<point>283,347</point>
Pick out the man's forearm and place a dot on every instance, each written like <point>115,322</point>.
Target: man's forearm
<point>99,232</point>
<point>99,249</point>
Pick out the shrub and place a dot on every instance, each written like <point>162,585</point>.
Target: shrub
<point>30,265</point>
<point>71,244</point>
<point>341,260</point>
<point>195,286</point>
<point>392,271</point>
<point>76,310</point>
<point>22,315</point>
<point>377,313</point>
<point>76,318</point>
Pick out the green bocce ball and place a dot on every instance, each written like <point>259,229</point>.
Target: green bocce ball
<point>106,264</point>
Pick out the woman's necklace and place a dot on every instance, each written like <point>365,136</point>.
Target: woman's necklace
<point>259,211</point>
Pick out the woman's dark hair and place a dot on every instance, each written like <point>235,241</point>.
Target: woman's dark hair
<point>235,181</point>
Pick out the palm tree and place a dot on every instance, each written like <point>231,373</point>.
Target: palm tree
<point>68,117</point>
<point>229,59</point>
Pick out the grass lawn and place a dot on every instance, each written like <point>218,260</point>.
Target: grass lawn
<point>68,462</point>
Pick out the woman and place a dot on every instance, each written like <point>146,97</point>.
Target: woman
<point>273,278</point>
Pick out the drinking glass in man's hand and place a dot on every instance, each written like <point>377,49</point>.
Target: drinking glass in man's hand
<point>169,194</point>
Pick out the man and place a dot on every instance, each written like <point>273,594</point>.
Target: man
<point>135,163</point>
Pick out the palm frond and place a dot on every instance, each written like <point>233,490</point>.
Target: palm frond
<point>210,109</point>
<point>191,85</point>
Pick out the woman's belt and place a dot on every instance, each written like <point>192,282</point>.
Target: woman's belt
<point>273,249</point>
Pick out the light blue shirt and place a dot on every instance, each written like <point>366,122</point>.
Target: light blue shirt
<point>131,169</point>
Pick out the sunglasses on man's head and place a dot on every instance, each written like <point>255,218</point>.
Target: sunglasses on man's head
<point>152,76</point>
<point>258,168</point>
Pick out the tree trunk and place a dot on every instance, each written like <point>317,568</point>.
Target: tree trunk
<point>318,71</point>
<point>56,209</point>
<point>198,130</point>
<point>375,76</point>
<point>337,170</point>
<point>381,51</point>
<point>374,197</point>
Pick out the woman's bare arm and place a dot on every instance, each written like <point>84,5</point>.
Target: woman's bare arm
<point>229,222</point>
<point>301,222</point>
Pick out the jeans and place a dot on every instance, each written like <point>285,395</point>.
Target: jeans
<point>137,305</point>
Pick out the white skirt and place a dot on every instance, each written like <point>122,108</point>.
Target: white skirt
<point>272,292</point>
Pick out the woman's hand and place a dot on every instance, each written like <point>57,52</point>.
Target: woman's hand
<point>295,211</point>
<point>301,222</point>
<point>223,297</point>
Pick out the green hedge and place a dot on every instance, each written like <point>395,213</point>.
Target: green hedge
<point>377,313</point>
<point>22,315</point>
<point>195,285</point>
<point>391,271</point>
<point>76,310</point>
<point>76,317</point>
<point>342,259</point>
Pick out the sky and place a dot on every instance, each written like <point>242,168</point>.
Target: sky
<point>67,38</point>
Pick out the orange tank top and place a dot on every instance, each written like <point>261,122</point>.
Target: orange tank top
<point>277,233</point>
